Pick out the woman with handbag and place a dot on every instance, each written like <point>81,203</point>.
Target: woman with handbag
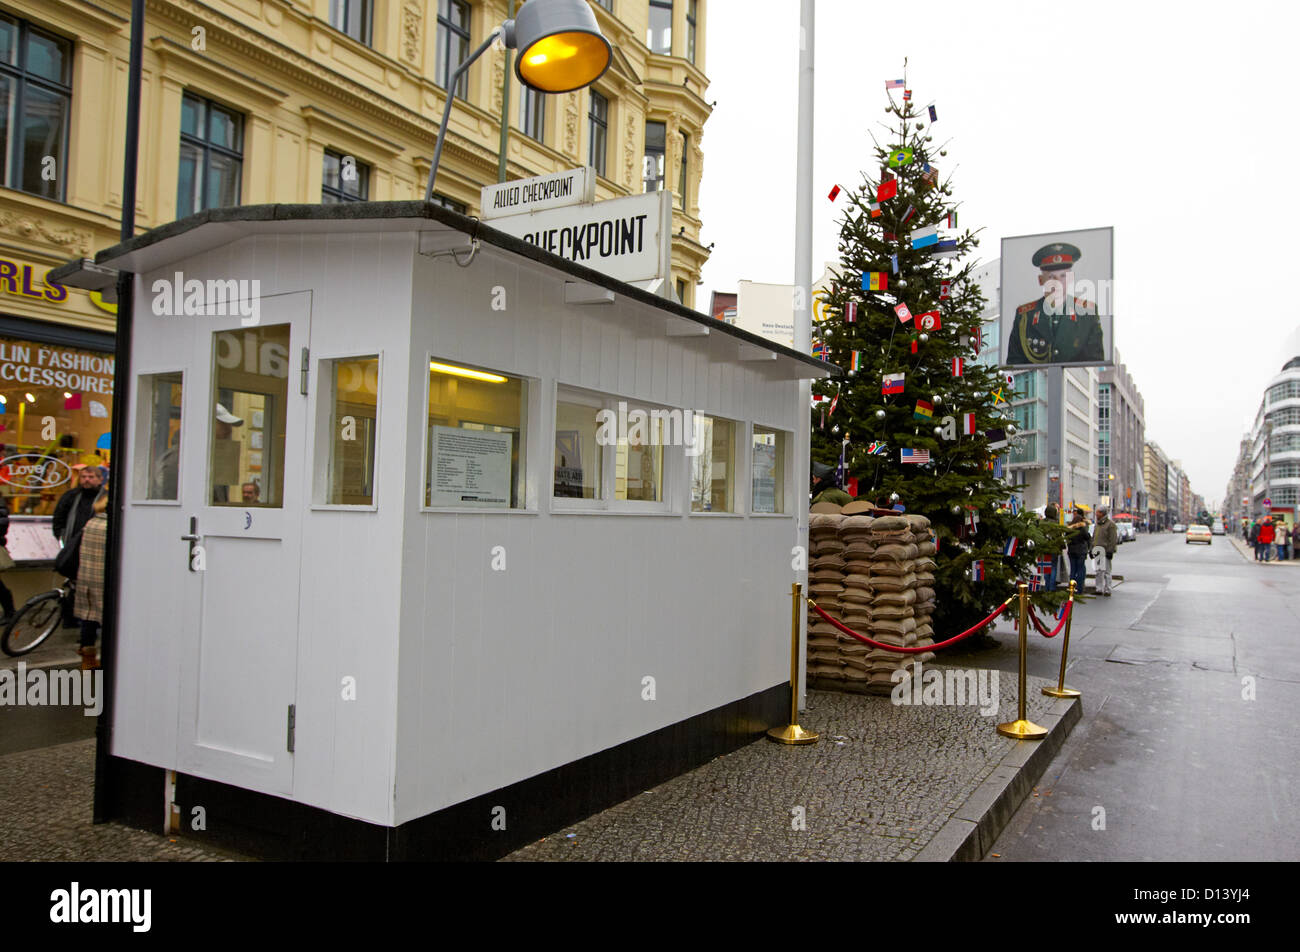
<point>90,582</point>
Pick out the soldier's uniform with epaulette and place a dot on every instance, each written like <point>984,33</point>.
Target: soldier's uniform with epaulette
<point>1040,336</point>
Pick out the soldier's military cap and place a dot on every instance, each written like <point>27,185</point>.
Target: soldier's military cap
<point>1056,257</point>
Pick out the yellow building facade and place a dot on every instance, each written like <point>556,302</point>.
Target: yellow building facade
<point>255,101</point>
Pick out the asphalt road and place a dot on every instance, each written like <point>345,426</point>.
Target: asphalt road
<point>1173,753</point>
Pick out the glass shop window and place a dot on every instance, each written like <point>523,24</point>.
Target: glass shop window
<point>579,455</point>
<point>346,430</point>
<point>476,438</point>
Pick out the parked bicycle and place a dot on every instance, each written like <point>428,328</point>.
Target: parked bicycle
<point>36,620</point>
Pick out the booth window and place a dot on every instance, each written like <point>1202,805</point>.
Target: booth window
<point>767,468</point>
<point>347,429</point>
<point>476,438</point>
<point>453,44</point>
<point>56,406</point>
<point>344,179</point>
<point>212,157</point>
<point>248,406</point>
<point>713,465</point>
<point>612,452</point>
<point>579,456</point>
<point>35,103</point>
<point>158,438</point>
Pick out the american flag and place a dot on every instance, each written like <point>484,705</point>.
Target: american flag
<point>914,456</point>
<point>893,84</point>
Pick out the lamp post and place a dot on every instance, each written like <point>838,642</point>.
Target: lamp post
<point>560,49</point>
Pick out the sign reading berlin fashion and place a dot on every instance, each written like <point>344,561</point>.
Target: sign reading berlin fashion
<point>570,187</point>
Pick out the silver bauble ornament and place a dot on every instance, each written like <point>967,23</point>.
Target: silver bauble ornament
<point>1011,429</point>
<point>880,414</point>
<point>956,510</point>
<point>937,399</point>
<point>894,497</point>
<point>1029,543</point>
<point>902,282</point>
<point>835,428</point>
<point>978,394</point>
<point>938,431</point>
<point>943,151</point>
<point>924,338</point>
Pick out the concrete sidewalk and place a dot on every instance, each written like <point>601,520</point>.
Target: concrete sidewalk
<point>885,783</point>
<point>1248,553</point>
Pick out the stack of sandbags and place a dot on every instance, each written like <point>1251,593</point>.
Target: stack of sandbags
<point>855,534</point>
<point>923,607</point>
<point>892,569</point>
<point>826,588</point>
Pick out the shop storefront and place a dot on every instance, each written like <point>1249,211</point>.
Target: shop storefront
<point>56,404</point>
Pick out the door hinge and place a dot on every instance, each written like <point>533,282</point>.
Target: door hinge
<point>291,724</point>
<point>303,386</point>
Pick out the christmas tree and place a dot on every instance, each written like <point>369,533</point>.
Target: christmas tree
<point>923,420</point>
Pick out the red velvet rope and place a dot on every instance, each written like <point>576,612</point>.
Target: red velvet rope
<point>918,649</point>
<point>1059,625</point>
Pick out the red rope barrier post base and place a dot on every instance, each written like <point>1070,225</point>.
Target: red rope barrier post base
<point>792,733</point>
<point>1061,690</point>
<point>1022,728</point>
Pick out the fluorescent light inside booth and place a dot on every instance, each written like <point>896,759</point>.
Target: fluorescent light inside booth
<point>465,372</point>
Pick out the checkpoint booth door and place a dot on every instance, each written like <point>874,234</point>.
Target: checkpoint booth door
<point>243,483</point>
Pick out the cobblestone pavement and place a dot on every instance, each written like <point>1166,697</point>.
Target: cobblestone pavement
<point>45,814</point>
<point>879,785</point>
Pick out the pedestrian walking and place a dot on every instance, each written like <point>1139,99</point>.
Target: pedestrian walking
<point>1252,536</point>
<point>1105,540</point>
<point>1281,537</point>
<point>1052,514</point>
<point>1076,547</point>
<point>90,582</point>
<point>73,511</point>
<point>1266,539</point>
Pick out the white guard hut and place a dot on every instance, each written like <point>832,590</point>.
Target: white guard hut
<point>421,584</point>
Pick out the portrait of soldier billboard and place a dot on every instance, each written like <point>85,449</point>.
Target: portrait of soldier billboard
<point>1069,322</point>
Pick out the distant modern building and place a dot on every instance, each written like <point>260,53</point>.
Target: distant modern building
<point>1121,440</point>
<point>1275,447</point>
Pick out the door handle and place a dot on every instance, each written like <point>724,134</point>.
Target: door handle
<point>192,538</point>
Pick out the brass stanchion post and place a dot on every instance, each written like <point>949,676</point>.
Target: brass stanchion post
<point>1061,690</point>
<point>793,733</point>
<point>1022,728</point>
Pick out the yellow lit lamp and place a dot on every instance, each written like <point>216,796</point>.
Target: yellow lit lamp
<point>560,49</point>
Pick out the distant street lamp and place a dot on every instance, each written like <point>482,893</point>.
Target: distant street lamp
<point>560,49</point>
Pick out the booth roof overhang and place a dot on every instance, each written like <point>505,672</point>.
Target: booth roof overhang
<point>201,232</point>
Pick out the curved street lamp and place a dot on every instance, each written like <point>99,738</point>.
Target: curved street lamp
<point>560,49</point>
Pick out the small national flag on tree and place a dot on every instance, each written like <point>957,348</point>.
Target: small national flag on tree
<point>835,193</point>
<point>893,260</point>
<point>875,280</point>
<point>851,312</point>
<point>892,383</point>
<point>900,157</point>
<point>924,237</point>
<point>834,403</point>
<point>893,84</point>
<point>854,360</point>
<point>886,190</point>
<point>874,209</point>
<point>877,449</point>
<point>945,290</point>
<point>968,424</point>
<point>977,570</point>
<point>934,116</point>
<point>904,315</point>
<point>907,95</point>
<point>924,410</point>
<point>929,321</point>
<point>1010,548</point>
<point>957,363</point>
<point>913,456</point>
<point>911,210</point>
<point>952,219</point>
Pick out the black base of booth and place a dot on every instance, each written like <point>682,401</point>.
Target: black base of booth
<point>272,828</point>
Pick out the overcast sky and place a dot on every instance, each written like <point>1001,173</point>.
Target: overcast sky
<point>1175,123</point>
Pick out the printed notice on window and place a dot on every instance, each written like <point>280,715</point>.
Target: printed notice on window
<point>470,468</point>
<point>764,478</point>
